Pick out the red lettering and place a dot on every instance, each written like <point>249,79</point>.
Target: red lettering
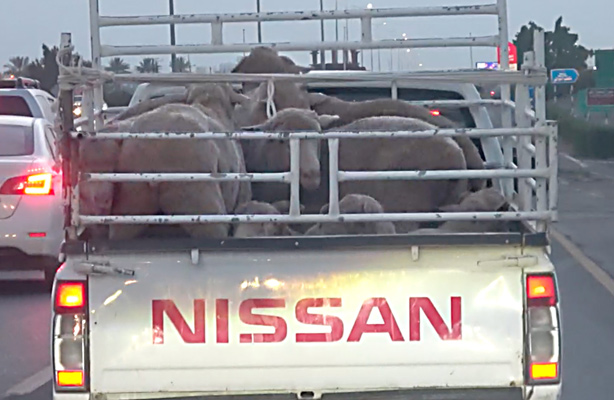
<point>221,320</point>
<point>168,307</point>
<point>303,316</point>
<point>390,324</point>
<point>425,304</point>
<point>246,315</point>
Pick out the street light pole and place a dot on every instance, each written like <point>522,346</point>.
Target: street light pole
<point>259,23</point>
<point>171,8</point>
<point>323,57</point>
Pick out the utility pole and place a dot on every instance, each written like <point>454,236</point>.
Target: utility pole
<point>471,52</point>
<point>259,23</point>
<point>171,9</point>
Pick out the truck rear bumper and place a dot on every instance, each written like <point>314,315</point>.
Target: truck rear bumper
<point>550,392</point>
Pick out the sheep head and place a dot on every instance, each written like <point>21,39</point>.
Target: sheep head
<point>354,204</point>
<point>273,155</point>
<point>485,200</point>
<point>221,97</point>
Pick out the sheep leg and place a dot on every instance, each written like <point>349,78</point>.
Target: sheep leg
<point>133,199</point>
<point>195,199</point>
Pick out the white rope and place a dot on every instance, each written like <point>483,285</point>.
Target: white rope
<point>71,77</point>
<point>271,110</point>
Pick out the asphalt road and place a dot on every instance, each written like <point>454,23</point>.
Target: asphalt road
<point>586,219</point>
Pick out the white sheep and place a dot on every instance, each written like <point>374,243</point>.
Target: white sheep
<point>273,155</point>
<point>265,229</point>
<point>433,153</point>
<point>350,111</point>
<point>354,204</point>
<point>189,156</point>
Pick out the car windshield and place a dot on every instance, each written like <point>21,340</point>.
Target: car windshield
<point>16,140</point>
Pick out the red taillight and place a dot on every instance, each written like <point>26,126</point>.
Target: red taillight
<point>435,113</point>
<point>37,184</point>
<point>543,336</point>
<point>70,378</point>
<point>541,290</point>
<point>70,333</point>
<point>69,297</point>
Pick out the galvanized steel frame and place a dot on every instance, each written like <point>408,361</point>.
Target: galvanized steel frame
<point>542,179</point>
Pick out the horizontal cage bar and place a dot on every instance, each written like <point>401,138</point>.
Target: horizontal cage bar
<point>537,78</point>
<point>186,177</point>
<point>311,218</point>
<point>482,9</point>
<point>537,131</point>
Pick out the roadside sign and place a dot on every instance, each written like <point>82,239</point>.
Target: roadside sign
<point>563,76</point>
<point>600,97</point>
<point>486,65</point>
<point>513,53</point>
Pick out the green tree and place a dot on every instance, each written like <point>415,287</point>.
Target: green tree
<point>182,64</point>
<point>17,66</point>
<point>46,69</point>
<point>562,47</point>
<point>148,65</point>
<point>118,66</point>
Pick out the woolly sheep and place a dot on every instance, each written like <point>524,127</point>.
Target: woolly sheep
<point>354,204</point>
<point>177,198</point>
<point>265,229</point>
<point>485,200</point>
<point>433,153</point>
<point>349,112</point>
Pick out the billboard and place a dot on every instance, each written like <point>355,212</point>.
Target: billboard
<point>600,97</point>
<point>487,65</point>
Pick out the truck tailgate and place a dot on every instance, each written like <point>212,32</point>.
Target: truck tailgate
<point>307,320</point>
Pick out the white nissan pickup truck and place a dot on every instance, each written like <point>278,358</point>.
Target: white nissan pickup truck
<point>453,316</point>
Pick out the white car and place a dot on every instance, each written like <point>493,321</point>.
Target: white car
<point>31,206</point>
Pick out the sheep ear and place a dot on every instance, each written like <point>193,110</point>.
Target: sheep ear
<point>236,98</point>
<point>324,209</point>
<point>327,120</point>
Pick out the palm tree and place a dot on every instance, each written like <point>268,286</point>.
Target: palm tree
<point>148,65</point>
<point>17,66</point>
<point>182,65</point>
<point>118,66</point>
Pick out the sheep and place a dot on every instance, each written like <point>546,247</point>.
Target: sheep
<point>254,112</point>
<point>218,101</point>
<point>265,229</point>
<point>198,155</point>
<point>96,198</point>
<point>433,153</point>
<point>273,155</point>
<point>354,204</point>
<point>265,60</point>
<point>349,112</point>
<point>485,200</point>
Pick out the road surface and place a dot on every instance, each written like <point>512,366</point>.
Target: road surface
<point>585,272</point>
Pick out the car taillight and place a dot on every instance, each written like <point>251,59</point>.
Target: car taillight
<point>435,113</point>
<point>543,333</point>
<point>70,338</point>
<point>36,184</point>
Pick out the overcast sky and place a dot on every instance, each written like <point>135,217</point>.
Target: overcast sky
<point>29,23</point>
